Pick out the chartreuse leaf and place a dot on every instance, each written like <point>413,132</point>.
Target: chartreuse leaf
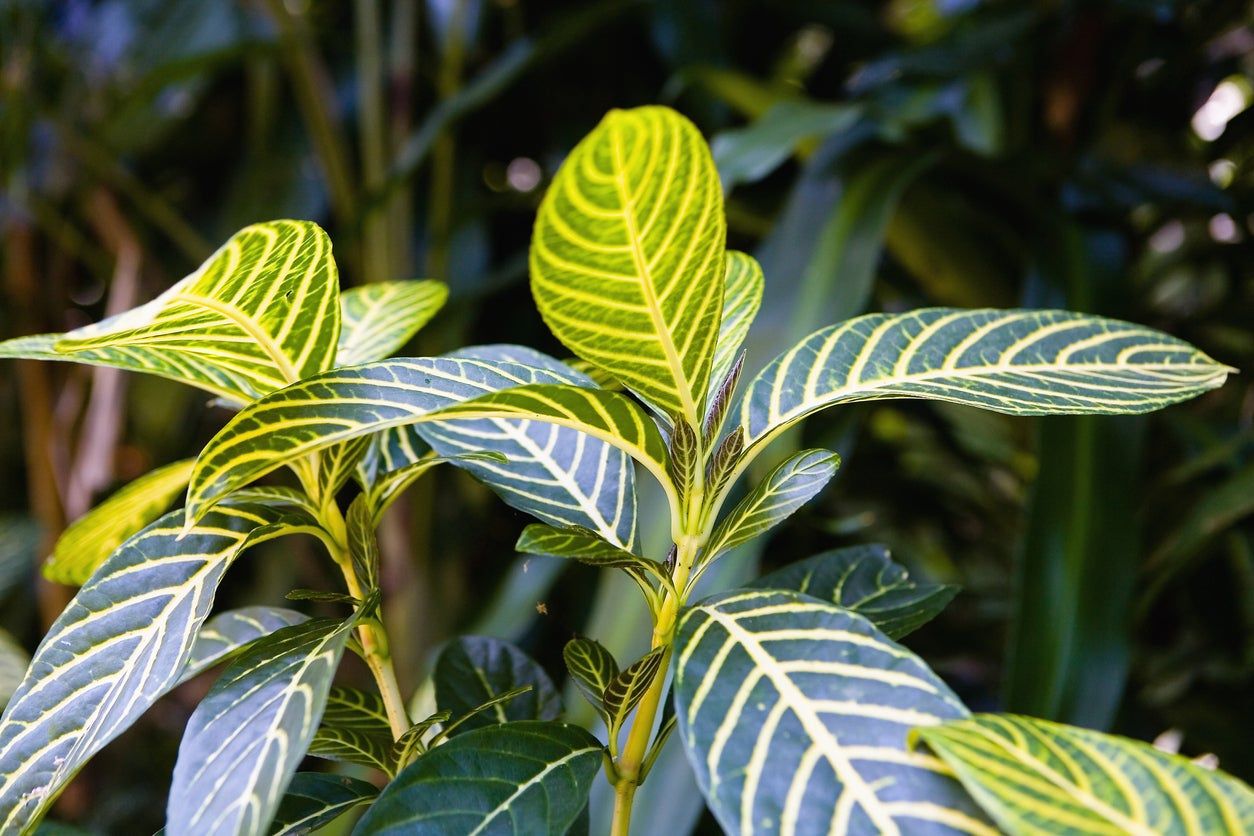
<point>355,729</point>
<point>1019,362</point>
<point>517,778</point>
<point>473,670</point>
<point>593,668</point>
<point>377,319</point>
<point>348,403</point>
<point>866,580</point>
<point>742,296</point>
<point>246,738</point>
<point>91,538</point>
<point>121,643</point>
<point>1034,776</point>
<point>553,472</point>
<point>627,257</point>
<point>229,632</point>
<point>260,313</point>
<point>795,716</point>
<point>314,800</point>
<point>789,486</point>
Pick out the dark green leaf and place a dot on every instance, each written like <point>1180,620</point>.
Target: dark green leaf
<point>473,670</point>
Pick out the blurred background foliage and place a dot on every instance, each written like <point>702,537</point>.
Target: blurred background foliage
<point>876,155</point>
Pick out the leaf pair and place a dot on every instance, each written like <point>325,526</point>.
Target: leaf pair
<point>613,693</point>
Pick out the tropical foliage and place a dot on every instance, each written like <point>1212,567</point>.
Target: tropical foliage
<point>797,709</point>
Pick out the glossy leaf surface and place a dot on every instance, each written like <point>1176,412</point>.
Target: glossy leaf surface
<point>472,670</point>
<point>377,319</point>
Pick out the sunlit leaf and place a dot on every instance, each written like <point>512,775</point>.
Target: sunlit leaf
<point>1017,361</point>
<point>246,738</point>
<point>795,716</point>
<point>90,540</point>
<point>517,778</point>
<point>121,643</point>
<point>742,296</point>
<point>1034,776</point>
<point>627,256</point>
<point>472,670</point>
<point>260,313</point>
<point>866,580</point>
<point>377,319</point>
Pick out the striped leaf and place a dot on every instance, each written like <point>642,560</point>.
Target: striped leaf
<point>90,540</point>
<point>376,320</point>
<point>742,296</point>
<point>474,670</point>
<point>314,800</point>
<point>349,403</point>
<point>355,729</point>
<point>866,580</point>
<point>229,632</point>
<point>1034,776</point>
<point>592,668</point>
<point>246,738</point>
<point>795,716</point>
<point>336,465</point>
<point>553,472</point>
<point>627,688</point>
<point>13,664</point>
<point>518,778</point>
<point>789,486</point>
<point>121,643</point>
<point>260,313</point>
<point>1018,362</point>
<point>627,258</point>
<point>586,547</point>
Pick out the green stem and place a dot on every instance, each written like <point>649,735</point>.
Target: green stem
<point>624,793</point>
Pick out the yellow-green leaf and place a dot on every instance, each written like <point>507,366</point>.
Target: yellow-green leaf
<point>742,296</point>
<point>1034,776</point>
<point>627,259</point>
<point>379,318</point>
<point>90,540</point>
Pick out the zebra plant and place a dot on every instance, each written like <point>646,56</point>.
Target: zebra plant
<point>797,709</point>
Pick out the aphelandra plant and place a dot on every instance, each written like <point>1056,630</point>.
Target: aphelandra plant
<point>797,709</point>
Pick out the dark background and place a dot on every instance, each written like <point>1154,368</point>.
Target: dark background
<point>879,156</point>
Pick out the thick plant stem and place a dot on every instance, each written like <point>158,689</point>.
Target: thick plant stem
<point>371,633</point>
<point>624,792</point>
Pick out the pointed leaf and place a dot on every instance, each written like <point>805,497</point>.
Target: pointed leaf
<point>229,632</point>
<point>592,668</point>
<point>355,729</point>
<point>742,296</point>
<point>517,778</point>
<point>794,483</point>
<point>260,313</point>
<point>866,580</point>
<point>246,738</point>
<point>314,800</point>
<point>1034,776</point>
<point>121,643</point>
<point>471,670</point>
<point>379,318</point>
<point>625,690</point>
<point>795,716</point>
<point>586,547</point>
<point>1019,362</point>
<point>363,544</point>
<point>90,540</point>
<point>627,258</point>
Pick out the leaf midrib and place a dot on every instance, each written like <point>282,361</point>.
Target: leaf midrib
<point>249,326</point>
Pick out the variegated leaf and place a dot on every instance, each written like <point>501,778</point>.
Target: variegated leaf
<point>246,738</point>
<point>229,632</point>
<point>789,486</point>
<point>260,313</point>
<point>742,296</point>
<point>473,670</point>
<point>1034,776</point>
<point>314,800</point>
<point>795,715</point>
<point>1019,362</point>
<point>593,668</point>
<point>121,643</point>
<point>626,689</point>
<point>586,547</point>
<point>866,580</point>
<point>91,538</point>
<point>377,319</point>
<point>517,778</point>
<point>355,729</point>
<point>627,256</point>
<point>349,403</point>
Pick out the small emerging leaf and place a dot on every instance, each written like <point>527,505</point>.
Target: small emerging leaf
<point>626,690</point>
<point>592,668</point>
